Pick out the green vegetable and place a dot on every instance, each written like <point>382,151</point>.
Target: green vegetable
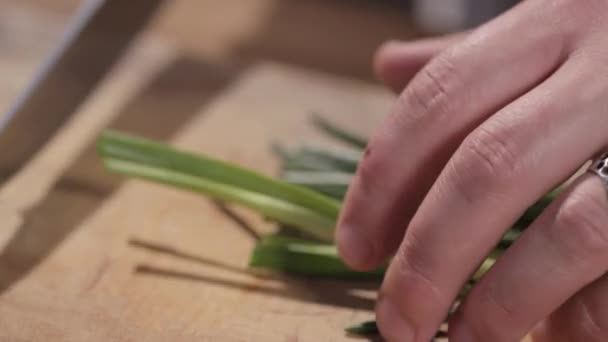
<point>297,206</point>
<point>304,257</point>
<point>306,199</point>
<point>371,328</point>
<point>334,184</point>
<point>365,328</point>
<point>536,209</point>
<point>509,238</point>
<point>334,131</point>
<point>312,223</point>
<point>138,150</point>
<point>313,158</point>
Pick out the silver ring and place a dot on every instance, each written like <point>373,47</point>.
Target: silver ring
<point>600,168</point>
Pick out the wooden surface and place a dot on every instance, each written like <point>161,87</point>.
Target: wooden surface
<point>152,263</point>
<point>86,256</point>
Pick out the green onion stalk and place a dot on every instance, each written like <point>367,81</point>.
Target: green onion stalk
<point>306,198</point>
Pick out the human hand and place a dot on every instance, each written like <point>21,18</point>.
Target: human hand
<point>492,122</point>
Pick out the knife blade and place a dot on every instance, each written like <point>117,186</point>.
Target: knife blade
<point>94,41</point>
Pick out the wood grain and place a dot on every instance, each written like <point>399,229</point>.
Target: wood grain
<point>85,256</point>
<point>152,263</point>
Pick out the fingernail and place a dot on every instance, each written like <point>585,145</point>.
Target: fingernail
<point>393,326</point>
<point>353,248</point>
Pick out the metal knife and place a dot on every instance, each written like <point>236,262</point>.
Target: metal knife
<point>94,41</point>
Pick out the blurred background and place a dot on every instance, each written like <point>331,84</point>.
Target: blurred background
<point>192,51</point>
<point>335,36</point>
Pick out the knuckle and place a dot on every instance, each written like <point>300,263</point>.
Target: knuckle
<point>580,225</point>
<point>430,90</point>
<point>490,152</point>
<point>487,313</point>
<point>414,272</point>
<point>485,160</point>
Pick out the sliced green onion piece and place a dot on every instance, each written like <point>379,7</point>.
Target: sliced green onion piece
<point>334,184</point>
<point>485,267</point>
<point>371,328</point>
<point>298,162</point>
<point>310,222</point>
<point>146,152</point>
<point>365,328</point>
<point>315,158</point>
<point>338,133</point>
<point>536,209</point>
<point>344,160</point>
<point>509,238</point>
<point>302,257</point>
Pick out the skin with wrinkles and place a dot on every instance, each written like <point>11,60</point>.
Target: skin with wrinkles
<point>486,122</point>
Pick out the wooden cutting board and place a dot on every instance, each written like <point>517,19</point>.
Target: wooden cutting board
<point>88,257</point>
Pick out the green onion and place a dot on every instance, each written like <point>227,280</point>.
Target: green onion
<point>509,238</point>
<point>122,146</point>
<point>338,160</point>
<point>312,223</point>
<point>296,206</point>
<point>365,328</point>
<point>296,162</point>
<point>371,328</point>
<point>334,184</point>
<point>307,199</point>
<point>313,158</point>
<point>536,209</point>
<point>301,257</point>
<point>338,133</point>
<point>291,161</point>
<point>485,266</point>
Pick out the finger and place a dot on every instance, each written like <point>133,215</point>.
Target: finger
<point>451,95</point>
<point>582,318</point>
<point>503,167</point>
<point>396,62</point>
<point>563,251</point>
